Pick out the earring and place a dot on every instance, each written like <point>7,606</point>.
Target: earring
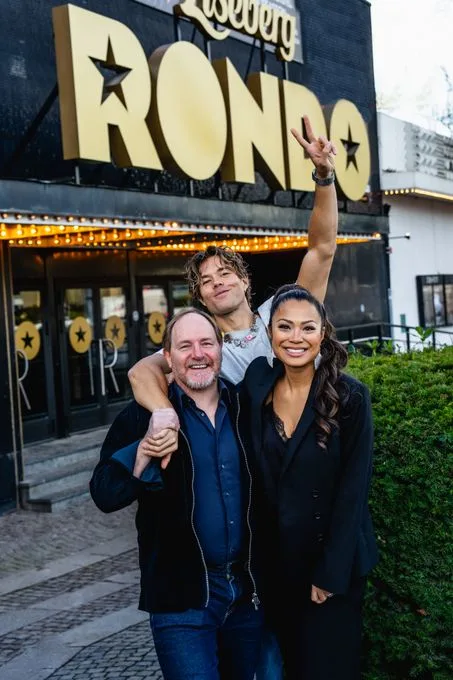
<point>318,360</point>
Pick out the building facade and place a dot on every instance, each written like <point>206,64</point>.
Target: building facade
<point>417,185</point>
<point>120,158</point>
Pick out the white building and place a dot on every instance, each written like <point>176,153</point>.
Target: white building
<point>417,183</point>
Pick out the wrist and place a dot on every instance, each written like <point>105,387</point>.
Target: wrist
<point>323,176</point>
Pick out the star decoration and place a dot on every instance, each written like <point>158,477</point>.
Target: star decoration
<point>157,326</point>
<point>28,339</point>
<point>113,75</point>
<point>115,331</point>
<point>80,335</point>
<point>351,150</point>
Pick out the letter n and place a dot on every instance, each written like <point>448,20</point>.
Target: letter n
<point>255,133</point>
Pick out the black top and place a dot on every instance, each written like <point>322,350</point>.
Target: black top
<point>274,449</point>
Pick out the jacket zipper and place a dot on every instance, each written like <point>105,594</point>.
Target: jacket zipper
<point>192,522</point>
<point>255,598</point>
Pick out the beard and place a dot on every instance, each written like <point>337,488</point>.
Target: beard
<point>201,384</point>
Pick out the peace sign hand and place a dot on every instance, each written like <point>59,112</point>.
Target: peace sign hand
<point>321,151</point>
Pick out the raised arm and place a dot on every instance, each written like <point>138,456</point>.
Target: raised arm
<point>149,384</point>
<point>322,228</point>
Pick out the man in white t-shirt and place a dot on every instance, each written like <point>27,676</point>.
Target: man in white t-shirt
<point>219,280</point>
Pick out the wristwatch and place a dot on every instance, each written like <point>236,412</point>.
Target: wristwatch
<point>323,181</point>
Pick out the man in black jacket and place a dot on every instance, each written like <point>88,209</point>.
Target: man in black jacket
<point>194,517</point>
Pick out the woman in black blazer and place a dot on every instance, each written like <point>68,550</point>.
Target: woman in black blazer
<point>312,436</point>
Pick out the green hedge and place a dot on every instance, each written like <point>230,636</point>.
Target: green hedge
<point>409,612</point>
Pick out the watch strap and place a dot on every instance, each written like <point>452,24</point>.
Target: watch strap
<point>323,181</point>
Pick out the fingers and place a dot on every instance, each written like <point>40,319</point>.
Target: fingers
<point>327,146</point>
<point>319,596</point>
<point>296,134</point>
<point>165,460</point>
<point>160,445</point>
<point>308,129</point>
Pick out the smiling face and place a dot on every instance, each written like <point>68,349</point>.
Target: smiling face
<point>195,354</point>
<point>297,333</point>
<point>221,289</point>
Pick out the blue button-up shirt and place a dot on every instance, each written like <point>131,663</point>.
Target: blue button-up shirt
<point>219,480</point>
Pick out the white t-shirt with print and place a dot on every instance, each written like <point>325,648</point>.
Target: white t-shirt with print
<point>236,359</point>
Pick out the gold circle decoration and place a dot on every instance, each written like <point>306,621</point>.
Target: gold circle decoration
<point>80,335</point>
<point>115,330</point>
<point>349,133</point>
<point>28,339</point>
<point>156,327</point>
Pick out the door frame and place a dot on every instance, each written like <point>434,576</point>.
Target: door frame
<point>100,412</point>
<point>41,426</point>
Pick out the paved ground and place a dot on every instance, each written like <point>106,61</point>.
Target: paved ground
<point>68,598</point>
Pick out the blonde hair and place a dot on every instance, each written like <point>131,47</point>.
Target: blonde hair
<point>166,341</point>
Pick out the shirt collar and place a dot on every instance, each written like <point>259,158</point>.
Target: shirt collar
<point>183,398</point>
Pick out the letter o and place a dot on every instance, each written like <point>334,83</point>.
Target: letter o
<point>188,118</point>
<point>349,132</point>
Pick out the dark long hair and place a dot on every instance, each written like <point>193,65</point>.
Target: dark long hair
<point>334,357</point>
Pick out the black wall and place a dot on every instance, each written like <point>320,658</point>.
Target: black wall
<point>337,50</point>
<point>356,292</point>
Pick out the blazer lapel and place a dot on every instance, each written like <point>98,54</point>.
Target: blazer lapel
<point>303,426</point>
<point>262,388</point>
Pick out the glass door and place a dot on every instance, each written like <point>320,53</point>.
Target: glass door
<point>113,345</point>
<point>95,354</point>
<point>33,364</point>
<point>158,302</point>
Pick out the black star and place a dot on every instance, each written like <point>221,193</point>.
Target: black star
<point>157,326</point>
<point>351,150</point>
<point>115,331</point>
<point>80,335</point>
<point>113,75</point>
<point>28,339</point>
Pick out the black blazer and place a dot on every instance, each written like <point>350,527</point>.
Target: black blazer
<point>323,525</point>
<point>173,569</point>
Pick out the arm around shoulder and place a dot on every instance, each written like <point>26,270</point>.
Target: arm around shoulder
<point>149,383</point>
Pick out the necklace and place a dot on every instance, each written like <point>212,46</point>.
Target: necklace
<point>244,341</point>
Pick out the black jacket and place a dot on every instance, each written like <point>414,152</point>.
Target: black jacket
<point>173,569</point>
<point>323,525</point>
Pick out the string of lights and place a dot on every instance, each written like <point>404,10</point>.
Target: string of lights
<point>47,231</point>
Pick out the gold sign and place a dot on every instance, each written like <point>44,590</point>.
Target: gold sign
<point>156,327</point>
<point>80,335</point>
<point>28,339</point>
<point>245,16</point>
<point>115,330</point>
<point>191,117</point>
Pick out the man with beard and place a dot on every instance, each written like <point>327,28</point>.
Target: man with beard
<point>193,518</point>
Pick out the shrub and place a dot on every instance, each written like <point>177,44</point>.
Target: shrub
<point>408,611</point>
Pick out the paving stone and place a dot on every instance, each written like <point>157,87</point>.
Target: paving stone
<point>99,571</point>
<point>31,539</point>
<point>127,654</point>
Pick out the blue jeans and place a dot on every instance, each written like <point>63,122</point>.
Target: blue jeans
<point>270,664</point>
<point>222,641</point>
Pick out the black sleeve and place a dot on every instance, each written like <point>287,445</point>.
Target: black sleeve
<point>333,572</point>
<point>112,486</point>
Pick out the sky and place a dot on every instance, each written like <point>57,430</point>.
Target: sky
<point>412,43</point>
